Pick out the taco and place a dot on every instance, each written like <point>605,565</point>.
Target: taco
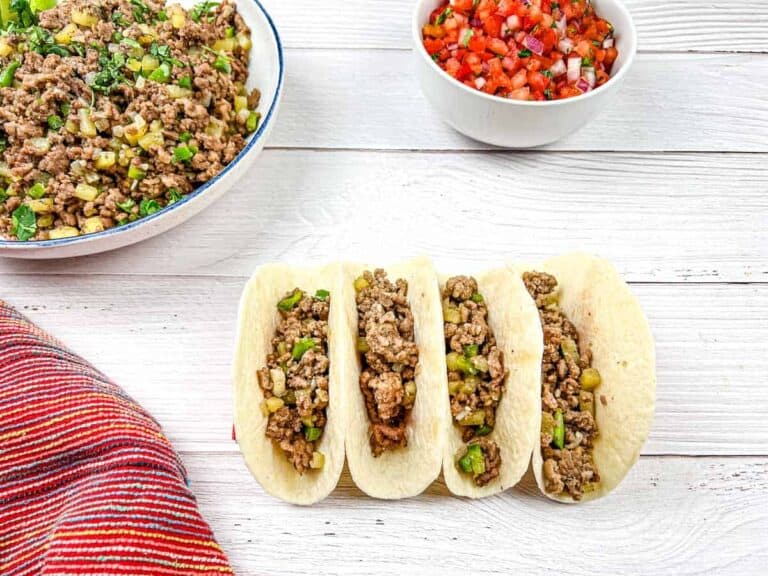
<point>598,377</point>
<point>290,414</point>
<point>394,375</point>
<point>493,346</point>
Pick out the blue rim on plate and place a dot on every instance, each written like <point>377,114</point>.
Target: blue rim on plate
<point>255,137</point>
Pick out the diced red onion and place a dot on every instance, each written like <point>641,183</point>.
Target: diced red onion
<point>558,68</point>
<point>519,35</point>
<point>574,68</point>
<point>583,85</point>
<point>565,45</point>
<point>513,22</point>
<point>479,82</point>
<point>508,64</point>
<point>453,46</point>
<point>608,43</point>
<point>588,73</point>
<point>527,2</point>
<point>561,23</point>
<point>534,45</point>
<point>476,22</point>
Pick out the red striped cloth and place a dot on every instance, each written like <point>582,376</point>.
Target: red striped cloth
<point>88,482</point>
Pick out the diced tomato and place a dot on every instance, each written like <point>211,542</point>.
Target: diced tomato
<point>462,5</point>
<point>479,45</point>
<point>433,46</point>
<point>498,46</point>
<point>433,30</point>
<point>464,72</point>
<point>537,81</point>
<point>492,26</point>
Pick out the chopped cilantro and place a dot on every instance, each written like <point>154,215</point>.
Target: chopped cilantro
<point>23,223</point>
<point>524,53</point>
<point>110,74</point>
<point>443,15</point>
<point>148,207</point>
<point>174,195</point>
<point>140,11</point>
<point>184,153</point>
<point>119,19</point>
<point>204,8</point>
<point>127,205</point>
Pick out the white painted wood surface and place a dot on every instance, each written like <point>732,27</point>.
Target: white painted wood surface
<point>670,183</point>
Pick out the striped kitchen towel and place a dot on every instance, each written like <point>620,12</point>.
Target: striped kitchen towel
<point>89,484</point>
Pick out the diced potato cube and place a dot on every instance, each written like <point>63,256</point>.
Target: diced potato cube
<point>274,404</point>
<point>149,63</point>
<point>241,103</point>
<point>66,34</point>
<point>63,232</point>
<point>225,45</point>
<point>41,206</point>
<point>151,139</point>
<point>105,160</point>
<point>86,192</point>
<point>83,19</point>
<point>177,92</point>
<point>92,225</point>
<point>87,127</point>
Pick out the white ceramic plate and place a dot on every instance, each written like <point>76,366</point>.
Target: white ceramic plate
<point>516,123</point>
<point>265,72</point>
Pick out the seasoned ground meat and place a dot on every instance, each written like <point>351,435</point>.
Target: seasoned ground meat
<point>389,357</point>
<point>111,110</point>
<point>475,374</point>
<point>568,428</point>
<point>295,379</point>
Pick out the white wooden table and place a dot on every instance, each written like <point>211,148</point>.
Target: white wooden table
<point>671,184</point>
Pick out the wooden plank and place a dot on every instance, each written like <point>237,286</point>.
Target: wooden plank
<point>691,26</point>
<point>680,516</point>
<point>683,102</point>
<point>169,342</point>
<point>670,217</point>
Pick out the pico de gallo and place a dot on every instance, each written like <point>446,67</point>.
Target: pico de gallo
<point>522,49</point>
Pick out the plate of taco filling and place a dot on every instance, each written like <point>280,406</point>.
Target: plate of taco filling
<point>598,377</point>
<point>493,346</point>
<point>290,415</point>
<point>395,378</point>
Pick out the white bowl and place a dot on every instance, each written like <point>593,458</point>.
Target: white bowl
<point>265,72</point>
<point>516,123</point>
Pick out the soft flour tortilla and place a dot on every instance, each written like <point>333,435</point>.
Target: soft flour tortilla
<point>405,471</point>
<point>610,321</point>
<point>258,319</point>
<point>514,320</point>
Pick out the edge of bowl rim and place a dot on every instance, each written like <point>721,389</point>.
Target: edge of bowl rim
<point>256,137</point>
<point>419,47</point>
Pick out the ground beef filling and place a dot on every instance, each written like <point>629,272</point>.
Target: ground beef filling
<point>112,110</point>
<point>568,428</point>
<point>475,376</point>
<point>295,380</point>
<point>389,357</point>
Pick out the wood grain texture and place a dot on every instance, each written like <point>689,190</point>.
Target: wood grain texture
<point>683,516</point>
<point>371,99</point>
<point>727,26</point>
<point>668,218</point>
<point>169,341</point>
